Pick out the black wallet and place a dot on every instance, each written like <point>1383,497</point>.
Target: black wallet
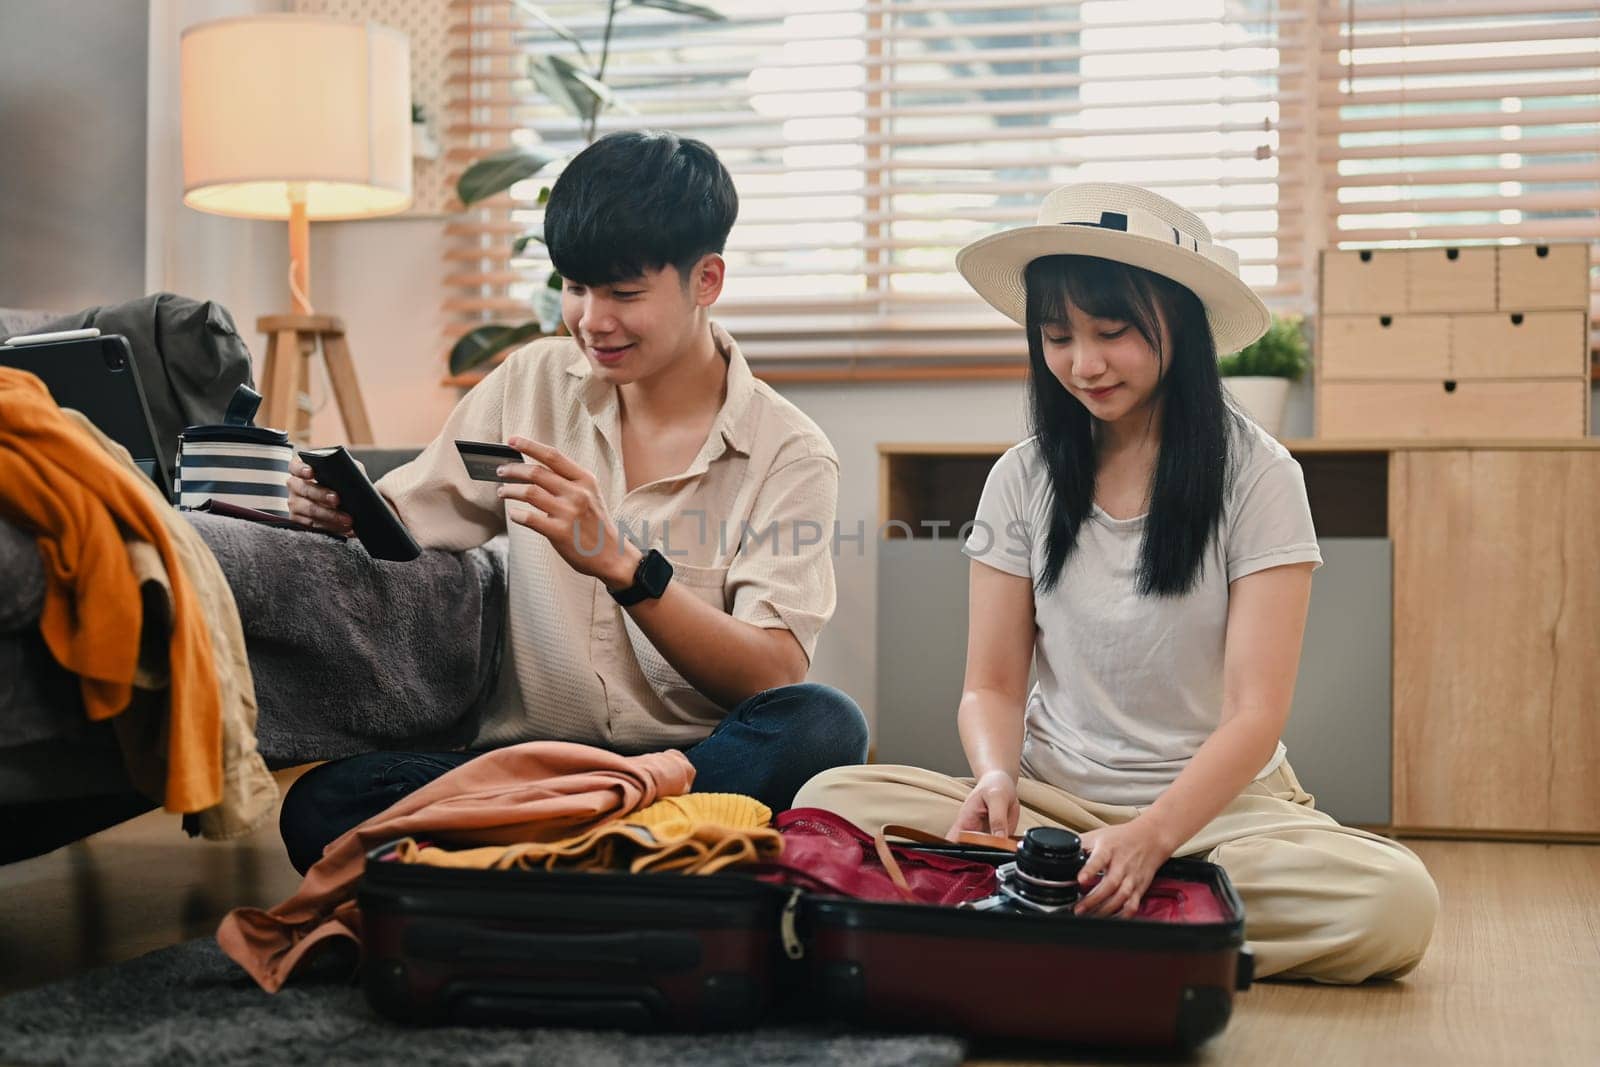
<point>377,526</point>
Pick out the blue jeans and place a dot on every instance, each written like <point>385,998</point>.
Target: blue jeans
<point>767,748</point>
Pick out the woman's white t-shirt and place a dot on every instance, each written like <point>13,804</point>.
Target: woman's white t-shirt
<point>1130,686</point>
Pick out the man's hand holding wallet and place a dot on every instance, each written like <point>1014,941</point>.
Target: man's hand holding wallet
<point>326,480</point>
<point>316,505</point>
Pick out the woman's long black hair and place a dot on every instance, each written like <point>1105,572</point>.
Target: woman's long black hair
<point>1193,468</point>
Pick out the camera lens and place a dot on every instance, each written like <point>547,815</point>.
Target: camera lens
<point>1050,854</point>
<point>1047,866</point>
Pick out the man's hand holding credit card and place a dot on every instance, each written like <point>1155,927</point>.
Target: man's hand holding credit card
<point>484,458</point>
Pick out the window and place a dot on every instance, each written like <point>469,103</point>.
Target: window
<point>870,139</point>
<point>1464,121</point>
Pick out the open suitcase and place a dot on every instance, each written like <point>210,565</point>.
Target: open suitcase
<point>670,951</point>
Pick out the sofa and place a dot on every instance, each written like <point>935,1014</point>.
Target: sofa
<point>348,654</point>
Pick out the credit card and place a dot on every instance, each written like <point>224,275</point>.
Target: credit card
<point>482,458</point>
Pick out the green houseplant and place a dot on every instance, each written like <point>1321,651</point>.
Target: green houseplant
<point>1258,376</point>
<point>577,85</point>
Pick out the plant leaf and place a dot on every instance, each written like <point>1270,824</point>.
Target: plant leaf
<point>486,342</point>
<point>520,245</point>
<point>595,94</point>
<point>498,172</point>
<point>1281,352</point>
<point>683,7</point>
<point>543,17</point>
<point>570,86</point>
<point>547,303</point>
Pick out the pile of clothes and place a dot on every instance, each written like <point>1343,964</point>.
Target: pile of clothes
<point>136,606</point>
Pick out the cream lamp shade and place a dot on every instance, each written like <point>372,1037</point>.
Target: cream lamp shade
<point>285,108</point>
<point>298,117</point>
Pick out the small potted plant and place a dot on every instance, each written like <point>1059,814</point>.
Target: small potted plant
<point>1258,377</point>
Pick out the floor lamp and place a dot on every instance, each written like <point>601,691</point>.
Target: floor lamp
<point>298,117</point>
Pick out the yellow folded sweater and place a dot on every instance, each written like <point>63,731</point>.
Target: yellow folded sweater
<point>697,833</point>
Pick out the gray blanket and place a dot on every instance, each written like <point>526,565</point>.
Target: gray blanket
<point>21,578</point>
<point>348,654</point>
<point>39,701</point>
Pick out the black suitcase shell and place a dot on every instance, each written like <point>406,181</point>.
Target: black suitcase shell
<point>564,948</point>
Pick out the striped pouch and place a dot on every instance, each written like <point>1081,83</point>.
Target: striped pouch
<point>235,463</point>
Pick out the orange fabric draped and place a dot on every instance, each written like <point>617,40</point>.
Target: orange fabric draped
<point>57,482</point>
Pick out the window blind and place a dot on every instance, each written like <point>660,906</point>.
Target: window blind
<point>870,139</point>
<point>1461,121</point>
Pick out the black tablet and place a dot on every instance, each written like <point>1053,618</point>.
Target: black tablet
<point>377,526</point>
<point>99,377</point>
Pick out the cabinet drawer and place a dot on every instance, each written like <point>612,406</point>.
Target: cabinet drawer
<point>1385,346</point>
<point>1450,279</point>
<point>1544,276</point>
<point>1363,281</point>
<point>1515,344</point>
<point>1473,409</point>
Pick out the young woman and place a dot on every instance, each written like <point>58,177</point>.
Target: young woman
<point>1150,551</point>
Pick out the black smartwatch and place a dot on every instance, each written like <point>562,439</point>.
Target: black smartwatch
<point>649,581</point>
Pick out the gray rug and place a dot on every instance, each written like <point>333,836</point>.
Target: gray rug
<point>189,1004</point>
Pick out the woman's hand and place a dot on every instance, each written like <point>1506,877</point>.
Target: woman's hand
<point>1123,860</point>
<point>315,506</point>
<point>991,807</point>
<point>566,506</point>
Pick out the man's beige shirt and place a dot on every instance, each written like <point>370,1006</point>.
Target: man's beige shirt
<point>748,527</point>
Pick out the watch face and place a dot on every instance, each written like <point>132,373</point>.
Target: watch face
<point>654,573</point>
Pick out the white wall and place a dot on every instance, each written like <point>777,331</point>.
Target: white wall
<point>241,264</point>
<point>72,193</point>
<point>382,277</point>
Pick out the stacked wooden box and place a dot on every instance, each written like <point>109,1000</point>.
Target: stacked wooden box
<point>1482,343</point>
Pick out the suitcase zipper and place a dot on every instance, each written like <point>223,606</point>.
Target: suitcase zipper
<point>792,946</point>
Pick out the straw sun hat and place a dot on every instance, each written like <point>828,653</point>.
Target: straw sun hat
<point>1129,225</point>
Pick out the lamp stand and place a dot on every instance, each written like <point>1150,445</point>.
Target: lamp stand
<point>293,339</point>
<point>291,342</point>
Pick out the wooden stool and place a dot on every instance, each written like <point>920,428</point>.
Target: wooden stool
<point>291,342</point>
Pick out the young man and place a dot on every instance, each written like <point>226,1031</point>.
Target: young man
<point>645,423</point>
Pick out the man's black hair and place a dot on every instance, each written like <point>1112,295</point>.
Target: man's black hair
<point>637,201</point>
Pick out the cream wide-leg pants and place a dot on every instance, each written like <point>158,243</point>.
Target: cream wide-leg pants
<point>1322,901</point>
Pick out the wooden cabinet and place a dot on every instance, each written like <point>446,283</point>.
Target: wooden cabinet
<point>1496,640</point>
<point>1543,276</point>
<point>1515,344</point>
<point>1478,343</point>
<point>1450,279</point>
<point>1367,280</point>
<point>1516,409</point>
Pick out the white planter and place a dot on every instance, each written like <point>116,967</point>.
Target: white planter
<point>424,145</point>
<point>1263,399</point>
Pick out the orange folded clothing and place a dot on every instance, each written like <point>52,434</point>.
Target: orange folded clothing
<point>540,791</point>
<point>59,483</point>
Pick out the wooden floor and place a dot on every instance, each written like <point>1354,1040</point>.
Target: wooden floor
<point>1512,977</point>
